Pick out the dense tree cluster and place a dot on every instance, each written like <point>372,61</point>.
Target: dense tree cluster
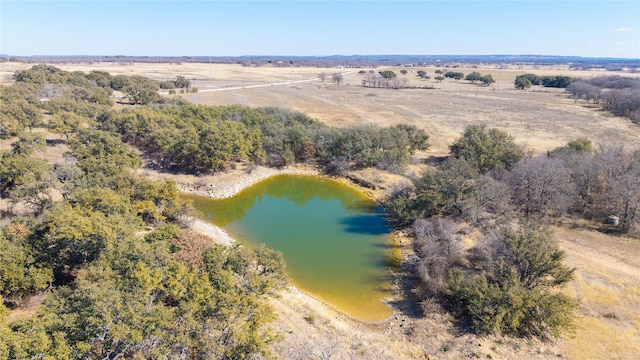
<point>204,138</point>
<point>574,179</point>
<point>454,75</point>
<point>476,76</point>
<point>180,82</point>
<point>122,276</point>
<point>115,293</point>
<point>505,283</point>
<point>616,94</point>
<point>526,80</point>
<point>74,99</point>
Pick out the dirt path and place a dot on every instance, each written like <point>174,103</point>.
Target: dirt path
<point>255,86</point>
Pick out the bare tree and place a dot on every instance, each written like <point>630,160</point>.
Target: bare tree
<point>540,187</point>
<point>337,78</point>
<point>438,247</point>
<point>619,194</point>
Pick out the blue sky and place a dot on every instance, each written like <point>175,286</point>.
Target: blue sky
<point>223,28</point>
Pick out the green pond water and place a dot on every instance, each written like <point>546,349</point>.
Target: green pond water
<point>335,240</point>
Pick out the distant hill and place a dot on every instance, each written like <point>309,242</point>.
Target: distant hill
<point>576,62</point>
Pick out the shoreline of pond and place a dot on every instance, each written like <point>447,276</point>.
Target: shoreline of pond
<point>230,183</point>
<point>226,186</point>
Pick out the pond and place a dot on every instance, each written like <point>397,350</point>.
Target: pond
<point>334,239</point>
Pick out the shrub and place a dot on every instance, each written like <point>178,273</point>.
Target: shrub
<point>487,149</point>
<point>514,291</point>
<point>167,85</point>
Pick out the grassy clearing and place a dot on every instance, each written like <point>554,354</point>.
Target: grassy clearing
<point>607,284</point>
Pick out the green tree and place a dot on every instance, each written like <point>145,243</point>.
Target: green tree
<point>387,74</point>
<point>181,82</point>
<point>457,188</point>
<point>574,146</point>
<point>67,123</point>
<point>119,82</point>
<point>454,75</point>
<point>487,79</point>
<point>422,74</point>
<point>473,77</point>
<point>20,275</point>
<point>522,82</point>
<point>26,179</point>
<point>28,143</point>
<point>487,148</point>
<point>18,115</point>
<point>18,170</point>
<point>141,94</point>
<point>70,237</point>
<point>515,292</point>
<point>101,154</point>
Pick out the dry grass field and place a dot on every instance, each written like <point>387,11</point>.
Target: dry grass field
<point>541,118</point>
<point>607,281</point>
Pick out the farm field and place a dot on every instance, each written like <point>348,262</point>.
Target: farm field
<point>606,283</point>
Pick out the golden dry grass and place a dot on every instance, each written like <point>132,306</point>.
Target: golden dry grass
<point>607,283</point>
<point>540,118</point>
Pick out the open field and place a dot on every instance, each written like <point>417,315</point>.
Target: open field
<point>607,277</point>
<point>541,118</point>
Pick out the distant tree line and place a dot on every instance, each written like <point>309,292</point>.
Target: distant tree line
<point>616,94</point>
<point>353,61</point>
<point>71,100</point>
<point>384,79</point>
<point>525,81</point>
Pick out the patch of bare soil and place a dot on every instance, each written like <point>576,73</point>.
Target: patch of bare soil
<point>29,308</point>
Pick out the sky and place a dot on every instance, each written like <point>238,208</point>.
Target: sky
<point>320,28</point>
